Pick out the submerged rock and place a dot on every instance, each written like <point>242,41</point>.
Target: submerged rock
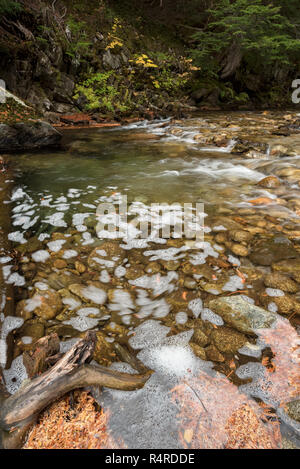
<point>227,340</point>
<point>46,305</point>
<point>25,136</point>
<point>275,249</point>
<point>277,280</point>
<point>242,315</point>
<point>269,182</point>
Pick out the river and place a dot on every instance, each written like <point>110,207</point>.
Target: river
<point>151,294</point>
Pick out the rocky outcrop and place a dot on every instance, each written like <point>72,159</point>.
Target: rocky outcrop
<point>26,136</point>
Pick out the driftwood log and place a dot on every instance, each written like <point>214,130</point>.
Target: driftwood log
<point>73,370</point>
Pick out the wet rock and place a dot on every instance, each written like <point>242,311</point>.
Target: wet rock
<point>239,250</point>
<point>255,154</point>
<point>200,338</point>
<point>92,293</point>
<point>50,305</point>
<point>111,61</point>
<point>291,267</point>
<point>228,340</point>
<point>45,304</point>
<point>240,236</point>
<point>63,331</point>
<point>281,150</point>
<point>286,304</point>
<point>170,265</point>
<point>269,182</point>
<point>22,311</point>
<point>107,256</point>
<point>60,264</point>
<point>189,283</point>
<point>104,352</point>
<point>242,315</point>
<point>80,267</point>
<point>275,249</point>
<point>32,245</point>
<point>135,272</point>
<point>57,281</point>
<point>26,136</point>
<point>221,238</point>
<point>213,354</point>
<point>198,351</point>
<point>244,146</point>
<point>282,282</point>
<point>33,328</point>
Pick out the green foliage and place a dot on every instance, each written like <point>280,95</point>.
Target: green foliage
<point>79,46</point>
<point>101,94</point>
<point>10,7</point>
<point>256,29</point>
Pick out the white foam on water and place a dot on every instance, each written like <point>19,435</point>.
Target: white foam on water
<point>170,360</point>
<point>120,271</point>
<point>40,256</point>
<point>169,254</point>
<point>104,262</point>
<point>71,302</point>
<point>234,260</point>
<point>104,277</point>
<point>26,340</point>
<point>147,334</point>
<point>82,322</point>
<point>157,283</point>
<point>9,323</point>
<point>43,236</point>
<point>259,387</point>
<point>181,317</point>
<point>15,375</point>
<point>87,238</point>
<point>56,219</point>
<point>16,279</point>
<point>234,283</point>
<point>18,194</point>
<point>219,228</point>
<point>156,308</point>
<point>41,286</point>
<point>208,315</point>
<point>56,246</point>
<point>94,294</point>
<point>196,306</point>
<point>5,259</point>
<point>122,302</point>
<point>69,253</point>
<point>6,269</point>
<point>272,307</point>
<point>17,237</point>
<point>274,292</point>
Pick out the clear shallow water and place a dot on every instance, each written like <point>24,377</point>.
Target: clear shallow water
<point>159,162</point>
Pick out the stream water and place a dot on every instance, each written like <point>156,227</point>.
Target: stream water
<point>150,297</point>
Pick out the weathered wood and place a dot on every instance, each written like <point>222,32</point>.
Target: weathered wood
<point>72,371</point>
<point>38,359</point>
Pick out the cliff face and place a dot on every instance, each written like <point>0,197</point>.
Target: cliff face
<point>122,59</point>
<point>61,57</point>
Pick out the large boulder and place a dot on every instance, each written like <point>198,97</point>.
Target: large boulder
<point>24,136</point>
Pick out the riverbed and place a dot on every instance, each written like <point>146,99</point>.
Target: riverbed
<point>151,292</point>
